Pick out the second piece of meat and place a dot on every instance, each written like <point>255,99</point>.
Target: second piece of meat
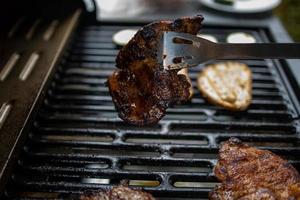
<point>121,192</point>
<point>248,173</point>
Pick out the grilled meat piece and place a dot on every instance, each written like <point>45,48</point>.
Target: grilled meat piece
<point>119,193</point>
<point>185,72</point>
<point>249,173</point>
<point>141,89</point>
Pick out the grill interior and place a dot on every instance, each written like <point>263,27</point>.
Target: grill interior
<point>77,143</point>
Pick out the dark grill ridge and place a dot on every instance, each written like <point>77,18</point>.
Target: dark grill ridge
<point>78,143</point>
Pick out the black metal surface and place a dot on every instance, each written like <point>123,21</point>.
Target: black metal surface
<point>30,47</point>
<point>77,141</point>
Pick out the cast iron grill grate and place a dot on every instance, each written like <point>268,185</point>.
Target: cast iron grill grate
<point>78,143</point>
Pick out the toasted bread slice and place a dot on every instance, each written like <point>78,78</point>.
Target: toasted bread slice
<point>227,84</point>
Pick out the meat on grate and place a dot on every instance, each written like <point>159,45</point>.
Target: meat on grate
<point>249,173</point>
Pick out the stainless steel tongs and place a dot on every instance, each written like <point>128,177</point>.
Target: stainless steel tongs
<point>180,50</point>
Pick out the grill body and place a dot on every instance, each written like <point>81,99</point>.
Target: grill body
<point>76,143</point>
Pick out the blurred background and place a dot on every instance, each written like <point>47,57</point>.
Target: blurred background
<point>289,13</point>
<point>287,10</point>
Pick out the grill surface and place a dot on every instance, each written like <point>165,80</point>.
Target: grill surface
<point>78,143</point>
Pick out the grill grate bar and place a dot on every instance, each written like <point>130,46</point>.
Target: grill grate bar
<point>78,143</point>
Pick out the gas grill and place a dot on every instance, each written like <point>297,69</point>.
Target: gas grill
<point>67,139</point>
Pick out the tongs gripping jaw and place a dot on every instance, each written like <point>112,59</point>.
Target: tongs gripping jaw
<point>182,50</point>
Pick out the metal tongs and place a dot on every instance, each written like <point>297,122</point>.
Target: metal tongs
<point>181,50</point>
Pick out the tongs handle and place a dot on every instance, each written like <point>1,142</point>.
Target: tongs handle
<point>258,51</point>
<point>182,50</point>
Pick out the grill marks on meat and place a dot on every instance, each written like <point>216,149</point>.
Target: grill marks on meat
<point>119,193</point>
<point>249,173</point>
<point>141,89</point>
